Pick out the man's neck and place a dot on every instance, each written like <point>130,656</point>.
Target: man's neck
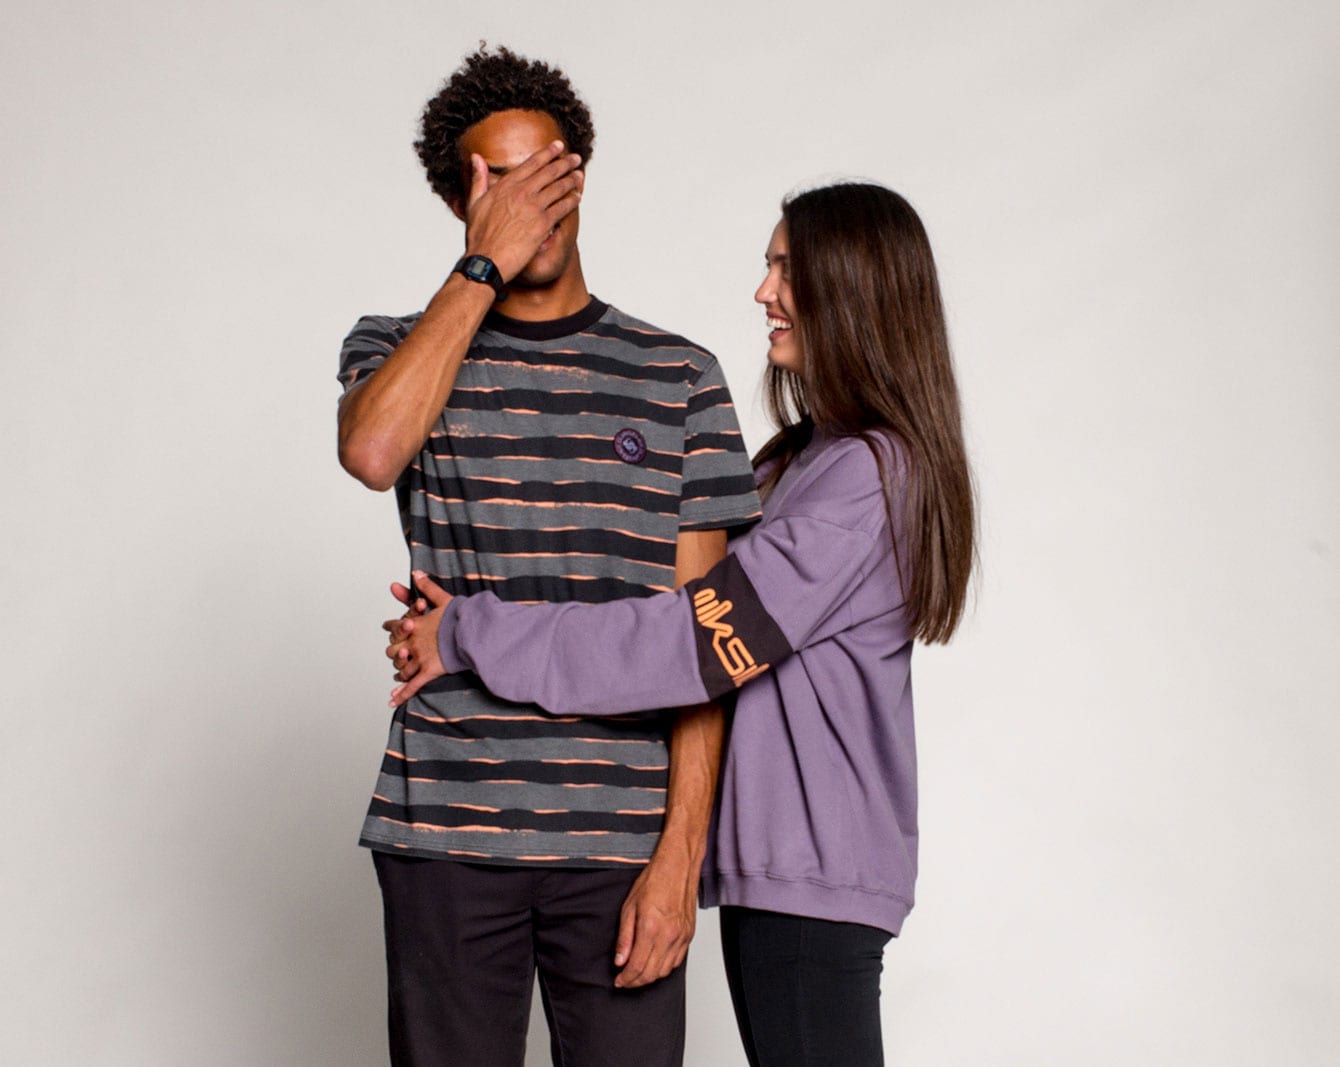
<point>565,297</point>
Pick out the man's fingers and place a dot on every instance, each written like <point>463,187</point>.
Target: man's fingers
<point>434,593</point>
<point>623,944</point>
<point>561,209</point>
<point>536,161</point>
<point>403,593</point>
<point>659,946</point>
<point>543,177</point>
<point>660,962</point>
<point>639,973</point>
<point>641,960</point>
<point>401,694</point>
<point>479,183</point>
<point>560,170</point>
<point>555,191</point>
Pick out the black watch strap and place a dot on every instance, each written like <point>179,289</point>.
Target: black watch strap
<point>482,269</point>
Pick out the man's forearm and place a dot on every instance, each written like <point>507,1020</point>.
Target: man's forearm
<point>659,915</point>
<point>695,762</point>
<point>385,420</point>
<point>697,737</point>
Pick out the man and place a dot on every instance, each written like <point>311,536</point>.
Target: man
<point>548,447</point>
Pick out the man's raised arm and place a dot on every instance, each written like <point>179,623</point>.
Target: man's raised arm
<point>384,421</point>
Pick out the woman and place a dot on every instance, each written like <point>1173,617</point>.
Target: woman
<point>866,543</point>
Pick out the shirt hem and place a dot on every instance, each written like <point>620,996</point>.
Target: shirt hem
<point>722,521</point>
<point>397,848</point>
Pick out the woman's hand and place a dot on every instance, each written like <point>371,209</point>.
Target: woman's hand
<point>412,639</point>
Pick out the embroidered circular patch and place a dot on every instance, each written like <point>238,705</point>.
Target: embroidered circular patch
<point>630,446</point>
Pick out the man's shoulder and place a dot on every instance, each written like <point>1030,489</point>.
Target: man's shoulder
<point>643,336</point>
<point>379,330</point>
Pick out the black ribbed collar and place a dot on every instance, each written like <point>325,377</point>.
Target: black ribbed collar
<point>550,329</point>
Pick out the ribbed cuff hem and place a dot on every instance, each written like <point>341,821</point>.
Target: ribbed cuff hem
<point>452,660</point>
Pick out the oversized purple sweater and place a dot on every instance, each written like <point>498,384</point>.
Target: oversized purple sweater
<point>818,807</point>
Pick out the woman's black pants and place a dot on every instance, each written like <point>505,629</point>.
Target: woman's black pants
<point>806,991</point>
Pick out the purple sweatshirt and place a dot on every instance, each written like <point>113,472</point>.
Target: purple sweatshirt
<point>818,807</point>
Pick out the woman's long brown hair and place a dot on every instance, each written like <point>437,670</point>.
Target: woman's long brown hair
<point>872,329</point>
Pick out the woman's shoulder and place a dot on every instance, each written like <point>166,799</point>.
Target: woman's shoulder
<point>859,459</point>
<point>840,480</point>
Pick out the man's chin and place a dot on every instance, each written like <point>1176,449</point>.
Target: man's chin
<point>537,279</point>
<point>545,270</point>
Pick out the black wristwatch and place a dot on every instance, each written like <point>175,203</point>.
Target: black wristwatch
<point>482,269</point>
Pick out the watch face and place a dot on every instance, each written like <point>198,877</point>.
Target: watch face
<point>482,269</point>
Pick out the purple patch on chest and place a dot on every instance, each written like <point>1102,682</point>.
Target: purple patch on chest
<point>630,446</point>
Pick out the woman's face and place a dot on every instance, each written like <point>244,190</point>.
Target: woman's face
<point>775,296</point>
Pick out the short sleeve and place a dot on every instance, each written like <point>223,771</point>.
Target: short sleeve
<point>373,338</point>
<point>718,487</point>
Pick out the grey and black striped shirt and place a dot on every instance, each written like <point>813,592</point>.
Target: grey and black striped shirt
<point>566,462</point>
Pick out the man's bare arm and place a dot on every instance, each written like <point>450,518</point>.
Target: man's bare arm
<point>661,911</point>
<point>384,421</point>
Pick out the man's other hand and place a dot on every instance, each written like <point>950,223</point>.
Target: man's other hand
<point>657,922</point>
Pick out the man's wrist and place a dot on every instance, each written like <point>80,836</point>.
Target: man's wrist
<point>681,848</point>
<point>457,291</point>
<point>482,270</point>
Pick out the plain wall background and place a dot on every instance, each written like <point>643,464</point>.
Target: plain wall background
<point>1128,757</point>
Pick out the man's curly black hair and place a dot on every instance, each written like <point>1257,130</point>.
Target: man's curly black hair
<point>495,81</point>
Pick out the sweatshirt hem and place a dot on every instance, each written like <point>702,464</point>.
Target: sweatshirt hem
<point>814,899</point>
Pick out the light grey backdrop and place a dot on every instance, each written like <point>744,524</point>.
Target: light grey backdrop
<point>1130,839</point>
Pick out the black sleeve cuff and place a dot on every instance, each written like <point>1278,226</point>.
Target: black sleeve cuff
<point>735,636</point>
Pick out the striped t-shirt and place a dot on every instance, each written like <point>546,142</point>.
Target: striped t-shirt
<point>566,462</point>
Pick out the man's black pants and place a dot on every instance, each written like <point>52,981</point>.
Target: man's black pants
<point>464,941</point>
